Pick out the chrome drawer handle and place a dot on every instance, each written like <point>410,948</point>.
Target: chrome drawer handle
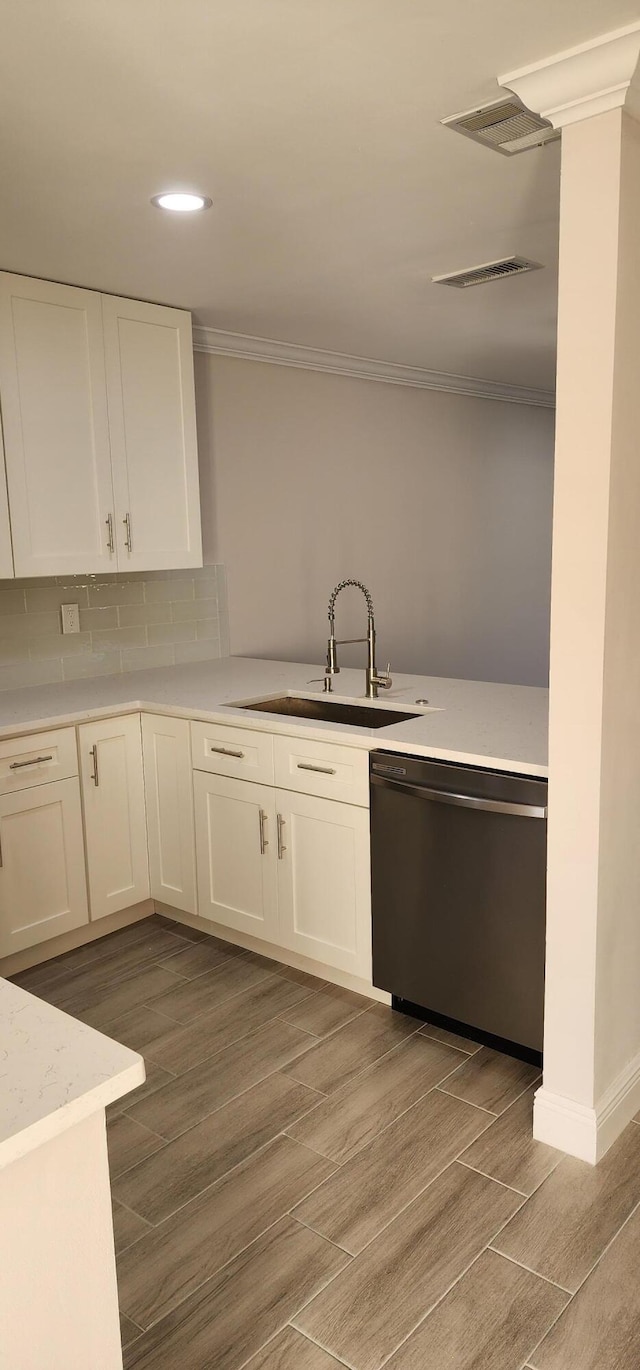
<point>281,846</point>
<point>322,770</point>
<point>264,843</point>
<point>127,540</point>
<point>227,751</point>
<point>94,775</point>
<point>17,765</point>
<point>110,543</point>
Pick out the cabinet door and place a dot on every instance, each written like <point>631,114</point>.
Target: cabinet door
<point>149,361</point>
<point>114,813</point>
<point>43,890</point>
<point>56,433</point>
<point>324,885</point>
<point>6,550</point>
<point>166,745</point>
<point>236,854</point>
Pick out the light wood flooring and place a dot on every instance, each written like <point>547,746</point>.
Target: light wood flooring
<point>308,1180</point>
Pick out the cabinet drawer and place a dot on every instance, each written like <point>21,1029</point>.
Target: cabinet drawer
<point>37,759</point>
<point>232,751</point>
<point>322,768</point>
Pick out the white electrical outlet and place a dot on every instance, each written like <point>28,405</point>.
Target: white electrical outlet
<point>70,618</point>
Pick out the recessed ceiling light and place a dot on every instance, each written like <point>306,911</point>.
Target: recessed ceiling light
<point>180,202</point>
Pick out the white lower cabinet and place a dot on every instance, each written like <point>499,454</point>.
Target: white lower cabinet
<point>114,812</point>
<point>166,746</point>
<point>324,894</point>
<point>43,889</point>
<point>291,869</point>
<point>236,854</point>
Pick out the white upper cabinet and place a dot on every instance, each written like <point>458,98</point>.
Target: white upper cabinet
<point>152,420</point>
<point>98,412</point>
<point>56,432</point>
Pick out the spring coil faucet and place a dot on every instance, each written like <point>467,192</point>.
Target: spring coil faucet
<point>374,680</point>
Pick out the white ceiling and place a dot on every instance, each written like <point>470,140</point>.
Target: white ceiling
<point>313,124</point>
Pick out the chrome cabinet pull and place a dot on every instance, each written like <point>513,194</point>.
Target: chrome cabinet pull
<point>1,857</point>
<point>227,751</point>
<point>110,543</point>
<point>94,775</point>
<point>264,843</point>
<point>17,765</point>
<point>322,770</point>
<point>127,523</point>
<point>281,846</point>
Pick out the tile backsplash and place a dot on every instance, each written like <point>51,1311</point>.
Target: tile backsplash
<point>127,623</point>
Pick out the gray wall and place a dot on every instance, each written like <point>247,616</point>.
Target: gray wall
<point>440,503</point>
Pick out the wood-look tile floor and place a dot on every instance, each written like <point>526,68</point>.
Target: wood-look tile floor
<point>307,1180</point>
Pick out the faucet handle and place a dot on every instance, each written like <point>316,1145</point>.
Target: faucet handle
<point>384,680</point>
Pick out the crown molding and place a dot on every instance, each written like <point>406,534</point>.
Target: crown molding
<point>241,345</point>
<point>583,81</point>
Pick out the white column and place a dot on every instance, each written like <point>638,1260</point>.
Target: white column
<point>591,1082</point>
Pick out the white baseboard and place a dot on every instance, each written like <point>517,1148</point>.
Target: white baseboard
<point>583,1131</point>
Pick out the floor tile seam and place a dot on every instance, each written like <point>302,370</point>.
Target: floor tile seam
<point>241,1093</point>
<point>339,1359</point>
<point>532,1353</point>
<point>100,962</point>
<point>453,1161</point>
<point>216,1273</point>
<point>462,1050</point>
<point>149,1003</point>
<point>251,1155</point>
<point>532,1085</point>
<point>124,979</point>
<point>348,1084</point>
<point>371,1140</point>
<point>489,1112</point>
<point>433,1307</point>
<point>324,1036</point>
<point>530,1270</point>
<point>511,1187</point>
<point>420,1099</point>
<point>603,1253</point>
<point>185,1027</point>
<point>487,1247</point>
<point>309,1228</point>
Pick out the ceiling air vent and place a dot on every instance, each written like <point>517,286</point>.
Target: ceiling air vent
<point>507,127</point>
<point>488,271</point>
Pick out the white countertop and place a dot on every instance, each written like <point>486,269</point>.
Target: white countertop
<point>54,1071</point>
<point>503,727</point>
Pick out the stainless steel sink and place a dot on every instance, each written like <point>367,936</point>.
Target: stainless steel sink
<point>332,710</point>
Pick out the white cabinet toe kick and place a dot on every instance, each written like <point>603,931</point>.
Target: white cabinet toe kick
<point>256,836</point>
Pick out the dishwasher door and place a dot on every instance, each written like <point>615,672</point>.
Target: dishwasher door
<point>458,894</point>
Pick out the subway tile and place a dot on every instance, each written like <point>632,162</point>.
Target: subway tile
<point>29,625</point>
<point>92,619</point>
<point>207,582</point>
<point>173,573</point>
<point>60,645</point>
<point>31,673</point>
<point>170,632</point>
<point>207,650</point>
<point>12,602</point>
<point>131,614</point>
<point>123,592</point>
<point>43,598</point>
<point>13,649</point>
<point>175,589</point>
<point>91,663</point>
<point>112,639</point>
<point>187,609</point>
<point>146,658</point>
<point>207,628</point>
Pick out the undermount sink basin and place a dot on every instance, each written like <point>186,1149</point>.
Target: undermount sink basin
<point>366,715</point>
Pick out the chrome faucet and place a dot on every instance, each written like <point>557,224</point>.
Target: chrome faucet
<point>374,681</point>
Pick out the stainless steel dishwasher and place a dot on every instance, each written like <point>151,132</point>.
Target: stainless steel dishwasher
<point>458,862</point>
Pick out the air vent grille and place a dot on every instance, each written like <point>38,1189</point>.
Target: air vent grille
<point>507,127</point>
<point>487,271</point>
